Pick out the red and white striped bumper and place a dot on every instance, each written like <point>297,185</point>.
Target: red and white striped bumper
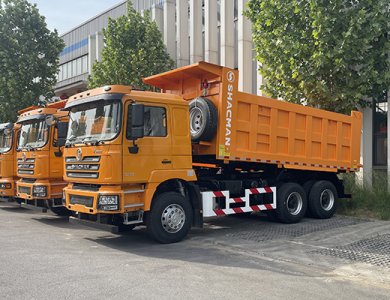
<point>210,205</point>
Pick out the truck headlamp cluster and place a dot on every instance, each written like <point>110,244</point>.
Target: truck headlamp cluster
<point>108,202</point>
<point>39,191</point>
<point>5,186</point>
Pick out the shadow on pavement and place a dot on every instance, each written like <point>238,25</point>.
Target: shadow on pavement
<point>56,221</point>
<point>15,208</point>
<point>138,243</point>
<point>201,246</point>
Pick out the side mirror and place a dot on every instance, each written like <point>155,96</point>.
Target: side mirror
<point>62,132</point>
<point>8,128</point>
<point>135,122</point>
<point>62,129</point>
<point>50,120</point>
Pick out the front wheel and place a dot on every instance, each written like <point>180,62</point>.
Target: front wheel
<point>170,218</point>
<point>291,203</point>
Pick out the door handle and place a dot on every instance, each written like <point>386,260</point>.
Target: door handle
<point>166,161</point>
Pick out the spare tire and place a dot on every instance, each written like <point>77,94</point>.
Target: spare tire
<point>203,119</point>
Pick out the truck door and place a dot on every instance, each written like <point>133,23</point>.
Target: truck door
<point>154,149</point>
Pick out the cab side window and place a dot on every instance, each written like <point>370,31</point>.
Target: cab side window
<point>155,121</point>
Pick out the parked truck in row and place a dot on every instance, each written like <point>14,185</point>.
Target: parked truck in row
<point>40,157</point>
<point>8,145</point>
<point>200,149</point>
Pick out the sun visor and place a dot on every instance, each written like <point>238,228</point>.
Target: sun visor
<point>176,80</point>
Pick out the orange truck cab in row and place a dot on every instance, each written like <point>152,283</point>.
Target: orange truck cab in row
<point>8,145</point>
<point>201,149</point>
<point>39,157</point>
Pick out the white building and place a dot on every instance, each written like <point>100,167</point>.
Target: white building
<point>211,30</point>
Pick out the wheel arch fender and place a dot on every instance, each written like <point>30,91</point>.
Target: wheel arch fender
<point>186,188</point>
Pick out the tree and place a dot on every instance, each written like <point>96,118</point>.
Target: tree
<point>133,49</point>
<point>328,54</point>
<point>29,54</point>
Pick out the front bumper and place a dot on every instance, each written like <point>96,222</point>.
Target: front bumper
<point>86,201</point>
<point>24,190</point>
<point>7,188</point>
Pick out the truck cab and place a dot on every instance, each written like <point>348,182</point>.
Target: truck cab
<point>8,145</point>
<point>112,171</point>
<point>40,157</point>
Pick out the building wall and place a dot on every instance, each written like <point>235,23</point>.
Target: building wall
<point>212,30</point>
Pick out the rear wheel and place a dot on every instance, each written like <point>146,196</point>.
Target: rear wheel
<point>307,187</point>
<point>291,203</point>
<point>170,218</point>
<point>323,200</point>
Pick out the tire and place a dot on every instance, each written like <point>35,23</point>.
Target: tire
<point>291,203</point>
<point>307,187</point>
<point>61,211</point>
<point>158,219</point>
<point>203,119</point>
<point>323,200</point>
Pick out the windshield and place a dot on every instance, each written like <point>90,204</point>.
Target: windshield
<point>33,134</point>
<point>5,140</point>
<point>94,122</point>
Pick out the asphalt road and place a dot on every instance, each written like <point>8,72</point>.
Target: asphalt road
<point>44,257</point>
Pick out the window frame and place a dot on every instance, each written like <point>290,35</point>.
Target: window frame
<point>151,106</point>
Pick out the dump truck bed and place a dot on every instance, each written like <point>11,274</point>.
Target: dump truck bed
<point>260,129</point>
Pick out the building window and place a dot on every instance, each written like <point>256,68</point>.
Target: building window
<point>84,64</point>
<point>380,132</point>
<point>73,68</point>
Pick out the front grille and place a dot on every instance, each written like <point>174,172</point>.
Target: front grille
<point>82,168</point>
<point>82,200</point>
<point>73,159</point>
<point>27,160</point>
<point>24,189</point>
<point>26,166</point>
<point>86,187</point>
<point>93,175</point>
<point>26,172</point>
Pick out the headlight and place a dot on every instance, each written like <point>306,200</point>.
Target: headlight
<point>108,202</point>
<point>39,191</point>
<point>5,186</point>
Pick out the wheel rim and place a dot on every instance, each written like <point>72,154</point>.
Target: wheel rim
<point>196,123</point>
<point>173,218</point>
<point>327,199</point>
<point>294,203</point>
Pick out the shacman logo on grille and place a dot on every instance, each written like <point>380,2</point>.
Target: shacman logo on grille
<point>24,156</point>
<point>79,154</point>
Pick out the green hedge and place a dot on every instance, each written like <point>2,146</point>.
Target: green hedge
<point>366,201</point>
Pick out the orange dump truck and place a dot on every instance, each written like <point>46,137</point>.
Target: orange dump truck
<point>201,149</point>
<point>39,157</point>
<point>8,142</point>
